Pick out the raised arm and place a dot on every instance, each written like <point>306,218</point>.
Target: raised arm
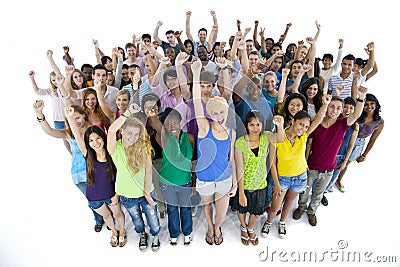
<point>278,136</point>
<point>68,58</point>
<point>224,81</point>
<point>243,57</point>
<point>33,81</point>
<point>38,108</point>
<point>316,36</point>
<point>234,49</point>
<point>326,99</point>
<point>182,79</point>
<point>214,29</point>
<point>52,63</point>
<point>116,125</point>
<point>338,60</point>
<point>255,41</point>
<point>311,55</point>
<point>102,102</point>
<point>283,36</point>
<point>97,51</point>
<point>370,50</point>
<point>69,114</point>
<point>215,23</point>
<point>64,93</point>
<point>201,120</point>
<point>118,68</point>
<point>362,91</point>
<point>282,86</point>
<point>155,33</point>
<point>295,86</point>
<point>164,64</point>
<point>263,43</point>
<point>188,33</point>
<point>177,35</point>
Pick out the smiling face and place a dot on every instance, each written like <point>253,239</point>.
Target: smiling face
<point>254,90</point>
<point>206,89</point>
<point>171,82</point>
<point>269,83</point>
<point>301,126</point>
<point>122,102</point>
<point>347,110</point>
<point>77,78</point>
<point>173,126</point>
<point>102,75</point>
<point>130,135</point>
<point>79,120</point>
<point>335,108</point>
<point>369,107</point>
<point>96,142</point>
<point>312,91</point>
<point>347,66</point>
<point>254,127</point>
<point>219,115</point>
<point>295,105</point>
<point>91,101</point>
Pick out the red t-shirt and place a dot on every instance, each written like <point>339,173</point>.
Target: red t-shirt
<point>326,144</point>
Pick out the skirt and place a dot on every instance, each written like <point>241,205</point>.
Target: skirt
<point>256,202</point>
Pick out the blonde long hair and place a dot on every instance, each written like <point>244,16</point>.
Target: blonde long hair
<point>138,152</point>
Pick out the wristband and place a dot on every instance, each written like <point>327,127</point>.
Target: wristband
<point>66,97</point>
<point>361,100</point>
<point>41,119</point>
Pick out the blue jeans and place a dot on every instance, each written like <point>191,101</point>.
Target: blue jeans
<point>178,208</point>
<point>97,217</point>
<point>135,206</point>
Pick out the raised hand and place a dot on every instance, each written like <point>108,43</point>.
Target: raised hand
<point>159,23</point>
<point>221,62</point>
<point>261,33</point>
<point>95,43</point>
<point>256,23</point>
<point>188,13</point>
<point>177,34</point>
<point>69,69</point>
<point>31,74</point>
<point>212,12</point>
<point>326,99</point>
<point>310,40</point>
<point>196,66</point>
<point>362,91</point>
<point>181,58</point>
<point>38,106</point>
<point>60,80</point>
<point>66,49</point>
<point>285,72</point>
<point>238,24</point>
<point>339,90</point>
<point>69,112</point>
<point>49,53</point>
<point>278,120</point>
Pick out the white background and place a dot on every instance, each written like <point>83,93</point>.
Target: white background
<point>45,220</point>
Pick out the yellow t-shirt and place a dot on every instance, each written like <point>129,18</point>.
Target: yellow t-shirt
<point>291,160</point>
<point>127,184</point>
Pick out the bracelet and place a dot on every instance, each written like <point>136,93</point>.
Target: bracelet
<point>66,97</point>
<point>361,100</point>
<point>41,119</point>
<point>123,115</point>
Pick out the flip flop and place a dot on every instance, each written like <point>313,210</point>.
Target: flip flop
<point>218,239</point>
<point>209,239</point>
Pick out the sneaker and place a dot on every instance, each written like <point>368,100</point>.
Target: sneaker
<point>173,241</point>
<point>297,213</point>
<point>330,189</point>
<point>265,229</point>
<point>312,219</point>
<point>98,227</point>
<point>143,241</point>
<point>194,211</point>
<point>155,244</point>
<point>187,240</point>
<point>324,200</point>
<point>281,229</point>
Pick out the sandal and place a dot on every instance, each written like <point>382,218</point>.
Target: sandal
<point>209,239</point>
<point>252,236</point>
<point>114,239</point>
<point>218,239</point>
<point>122,240</point>
<point>244,235</point>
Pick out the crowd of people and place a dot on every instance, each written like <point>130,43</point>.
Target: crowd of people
<point>159,128</point>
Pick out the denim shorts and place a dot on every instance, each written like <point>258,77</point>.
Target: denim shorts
<point>59,125</point>
<point>210,188</point>
<point>98,203</point>
<point>358,149</point>
<point>295,184</point>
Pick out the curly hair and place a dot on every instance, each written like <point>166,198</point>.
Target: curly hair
<point>138,152</point>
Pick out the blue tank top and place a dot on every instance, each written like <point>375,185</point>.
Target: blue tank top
<point>78,168</point>
<point>213,163</point>
<point>345,143</point>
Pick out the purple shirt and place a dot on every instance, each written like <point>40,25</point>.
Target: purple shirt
<point>326,144</point>
<point>103,187</point>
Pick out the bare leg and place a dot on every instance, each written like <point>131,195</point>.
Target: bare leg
<point>287,206</point>
<point>341,174</point>
<point>221,206</point>
<point>208,213</point>
<point>276,205</point>
<point>105,212</point>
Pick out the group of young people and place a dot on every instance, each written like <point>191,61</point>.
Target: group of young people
<point>251,127</point>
